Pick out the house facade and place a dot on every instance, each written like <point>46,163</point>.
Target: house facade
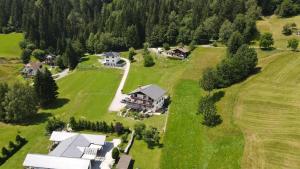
<point>31,69</point>
<point>181,53</point>
<point>111,59</point>
<point>150,98</point>
<point>70,151</point>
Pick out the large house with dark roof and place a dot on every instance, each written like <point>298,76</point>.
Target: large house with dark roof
<point>71,151</point>
<point>150,98</point>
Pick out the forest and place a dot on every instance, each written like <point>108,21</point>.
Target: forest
<point>104,25</point>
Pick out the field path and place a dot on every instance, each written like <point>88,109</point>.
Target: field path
<point>116,104</point>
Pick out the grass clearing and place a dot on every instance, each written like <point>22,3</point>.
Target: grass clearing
<point>9,45</point>
<point>274,25</point>
<point>267,111</point>
<point>189,144</point>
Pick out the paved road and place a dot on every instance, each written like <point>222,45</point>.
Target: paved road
<point>116,104</point>
<point>61,74</point>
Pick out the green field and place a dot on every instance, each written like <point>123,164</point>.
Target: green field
<point>267,110</point>
<point>189,144</point>
<point>274,25</point>
<point>9,45</point>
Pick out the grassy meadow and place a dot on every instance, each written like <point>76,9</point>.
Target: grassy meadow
<point>267,111</point>
<point>189,144</point>
<point>10,51</point>
<point>9,45</point>
<point>274,25</point>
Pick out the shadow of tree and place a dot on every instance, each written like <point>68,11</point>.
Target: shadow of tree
<point>60,102</point>
<point>36,119</point>
<point>84,59</point>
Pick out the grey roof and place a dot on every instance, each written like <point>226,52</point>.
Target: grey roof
<point>124,162</point>
<point>111,54</point>
<point>153,91</point>
<point>69,147</point>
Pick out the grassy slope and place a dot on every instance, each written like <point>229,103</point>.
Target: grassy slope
<point>10,65</point>
<point>187,143</point>
<point>9,45</point>
<point>165,73</point>
<point>267,111</point>
<point>274,25</point>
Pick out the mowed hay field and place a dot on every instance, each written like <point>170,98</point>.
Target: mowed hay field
<point>268,112</point>
<point>274,25</point>
<point>9,45</point>
<point>10,65</point>
<point>189,144</point>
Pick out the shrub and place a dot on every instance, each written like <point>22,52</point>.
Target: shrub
<point>119,129</point>
<point>151,137</point>
<point>293,44</point>
<point>166,46</point>
<point>115,153</point>
<point>287,30</point>
<point>54,124</point>
<point>148,60</point>
<point>266,41</point>
<point>39,54</point>
<point>139,130</point>
<point>131,54</point>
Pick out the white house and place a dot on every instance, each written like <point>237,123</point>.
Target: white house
<point>150,98</point>
<point>72,151</point>
<point>111,59</point>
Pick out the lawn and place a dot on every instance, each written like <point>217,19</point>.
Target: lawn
<point>274,25</point>
<point>189,144</point>
<point>268,112</point>
<point>10,65</point>
<point>9,45</point>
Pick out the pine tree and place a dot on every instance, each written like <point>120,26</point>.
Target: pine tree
<point>45,87</point>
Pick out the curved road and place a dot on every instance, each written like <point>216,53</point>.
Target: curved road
<point>116,104</point>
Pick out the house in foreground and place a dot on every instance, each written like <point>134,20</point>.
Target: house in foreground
<point>31,69</point>
<point>150,98</point>
<point>71,151</point>
<point>112,59</point>
<point>180,53</point>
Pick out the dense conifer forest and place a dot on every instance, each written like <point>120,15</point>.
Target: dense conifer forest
<point>102,25</point>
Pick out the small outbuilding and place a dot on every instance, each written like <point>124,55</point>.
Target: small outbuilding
<point>50,59</point>
<point>124,162</point>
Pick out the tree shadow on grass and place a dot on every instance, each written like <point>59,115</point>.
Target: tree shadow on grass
<point>217,96</point>
<point>84,59</point>
<point>60,102</point>
<point>37,119</point>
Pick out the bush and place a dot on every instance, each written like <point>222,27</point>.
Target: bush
<point>151,137</point>
<point>119,129</point>
<point>39,54</point>
<point>131,54</point>
<point>166,46</point>
<point>148,60</point>
<point>293,44</point>
<point>115,153</point>
<point>287,29</point>
<point>266,41</point>
<point>139,129</point>
<point>54,125</point>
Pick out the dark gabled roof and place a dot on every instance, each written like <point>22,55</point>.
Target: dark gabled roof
<point>111,54</point>
<point>183,50</point>
<point>124,162</point>
<point>153,91</point>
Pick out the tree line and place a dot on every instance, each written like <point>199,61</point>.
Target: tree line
<point>117,24</point>
<point>13,147</point>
